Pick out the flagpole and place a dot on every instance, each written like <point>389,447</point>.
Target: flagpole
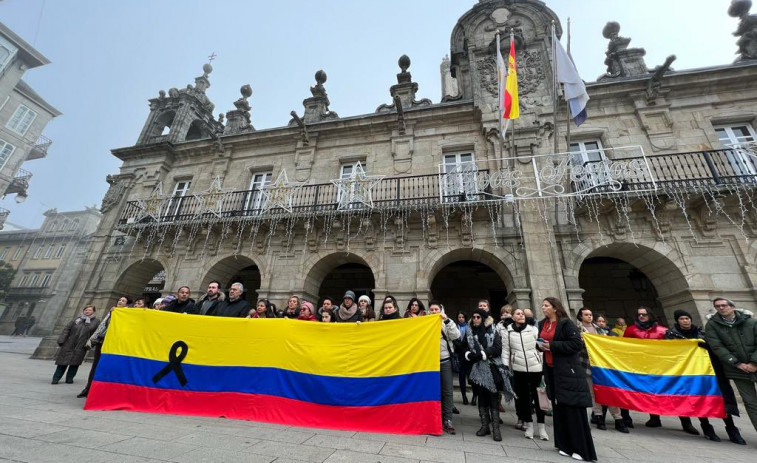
<point>555,103</point>
<point>567,106</point>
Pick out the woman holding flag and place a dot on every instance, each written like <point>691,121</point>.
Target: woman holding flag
<point>567,388</point>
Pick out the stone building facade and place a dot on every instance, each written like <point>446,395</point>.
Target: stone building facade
<point>47,262</point>
<point>651,201</point>
<point>24,114</point>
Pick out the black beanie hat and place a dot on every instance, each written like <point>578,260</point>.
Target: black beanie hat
<point>681,313</point>
<point>483,313</point>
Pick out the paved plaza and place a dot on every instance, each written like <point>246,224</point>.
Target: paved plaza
<point>40,422</point>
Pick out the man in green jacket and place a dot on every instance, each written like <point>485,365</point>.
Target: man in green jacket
<point>732,335</point>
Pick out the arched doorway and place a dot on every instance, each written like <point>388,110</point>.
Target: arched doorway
<point>461,284</point>
<point>615,288</point>
<point>351,276</point>
<point>141,279</point>
<point>235,269</point>
<point>336,273</point>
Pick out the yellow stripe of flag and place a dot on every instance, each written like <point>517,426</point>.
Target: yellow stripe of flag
<point>322,348</point>
<point>648,356</point>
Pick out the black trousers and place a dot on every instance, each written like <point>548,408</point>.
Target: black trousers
<point>525,389</point>
<point>72,369</point>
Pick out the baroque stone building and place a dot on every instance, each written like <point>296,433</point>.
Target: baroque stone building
<point>23,116</point>
<point>47,261</point>
<point>651,201</point>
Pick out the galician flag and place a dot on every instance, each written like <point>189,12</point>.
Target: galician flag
<point>573,85</point>
<point>501,76</point>
<point>512,110</point>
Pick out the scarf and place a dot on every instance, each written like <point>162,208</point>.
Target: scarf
<point>645,325</point>
<point>691,333</point>
<point>345,313</point>
<point>393,316</point>
<point>518,327</point>
<point>310,318</point>
<point>481,371</point>
<point>83,318</point>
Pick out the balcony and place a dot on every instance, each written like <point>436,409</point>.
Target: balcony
<point>20,183</point>
<point>16,292</point>
<point>620,171</point>
<point>39,150</point>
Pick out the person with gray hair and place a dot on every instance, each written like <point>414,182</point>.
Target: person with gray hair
<point>732,336</point>
<point>235,305</point>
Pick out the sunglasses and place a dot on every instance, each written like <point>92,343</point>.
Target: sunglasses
<point>475,317</point>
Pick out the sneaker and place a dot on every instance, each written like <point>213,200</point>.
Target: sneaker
<point>576,456</point>
<point>563,453</point>
<point>448,428</point>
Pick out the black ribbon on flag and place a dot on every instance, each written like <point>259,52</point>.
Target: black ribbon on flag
<point>174,363</point>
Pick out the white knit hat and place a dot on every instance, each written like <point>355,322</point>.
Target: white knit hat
<point>364,298</point>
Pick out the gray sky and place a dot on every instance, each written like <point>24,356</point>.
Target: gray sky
<point>109,57</point>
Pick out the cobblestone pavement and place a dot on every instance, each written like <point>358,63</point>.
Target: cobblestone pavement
<point>40,422</point>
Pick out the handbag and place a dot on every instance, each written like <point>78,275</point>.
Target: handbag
<point>541,392</point>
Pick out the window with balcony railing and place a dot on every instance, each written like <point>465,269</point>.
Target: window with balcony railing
<point>22,119</point>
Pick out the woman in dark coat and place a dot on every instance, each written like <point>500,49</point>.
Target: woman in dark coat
<point>488,374</point>
<point>567,388</point>
<point>72,343</point>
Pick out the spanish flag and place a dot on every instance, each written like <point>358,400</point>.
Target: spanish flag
<point>378,377</point>
<point>661,377</point>
<point>512,110</point>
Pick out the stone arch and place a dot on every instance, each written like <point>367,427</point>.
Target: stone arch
<point>318,267</point>
<point>437,260</point>
<point>135,277</point>
<point>226,267</point>
<point>661,264</point>
<point>195,131</point>
<point>165,120</point>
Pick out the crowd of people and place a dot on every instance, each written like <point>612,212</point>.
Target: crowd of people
<point>543,367</point>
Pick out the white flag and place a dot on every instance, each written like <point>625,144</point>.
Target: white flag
<point>501,82</point>
<point>574,87</point>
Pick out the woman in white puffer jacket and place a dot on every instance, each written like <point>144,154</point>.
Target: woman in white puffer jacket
<point>519,353</point>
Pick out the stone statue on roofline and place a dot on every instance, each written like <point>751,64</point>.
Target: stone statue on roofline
<point>747,29</point>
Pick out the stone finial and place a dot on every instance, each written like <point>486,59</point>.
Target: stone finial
<point>622,61</point>
<point>238,120</point>
<point>317,106</point>
<point>405,89</point>
<point>747,29</point>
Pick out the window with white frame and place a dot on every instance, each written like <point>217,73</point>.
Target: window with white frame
<point>46,279</point>
<point>74,225</point>
<point>4,253</point>
<point>22,119</point>
<point>740,140</point>
<point>24,279</point>
<point>591,166</point>
<point>34,279</point>
<point>61,251</point>
<point>255,200</point>
<point>460,177</point>
<point>38,252</point>
<point>346,171</point>
<point>6,149</point>
<point>17,253</point>
<point>7,52</point>
<point>49,251</point>
<point>180,190</point>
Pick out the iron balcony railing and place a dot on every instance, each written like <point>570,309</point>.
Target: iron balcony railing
<point>39,150</point>
<point>668,172</point>
<point>20,182</point>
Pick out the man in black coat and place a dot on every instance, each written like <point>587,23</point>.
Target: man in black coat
<point>183,303</point>
<point>234,306</point>
<point>207,303</point>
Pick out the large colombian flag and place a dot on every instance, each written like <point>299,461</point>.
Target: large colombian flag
<point>662,377</point>
<point>381,377</point>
